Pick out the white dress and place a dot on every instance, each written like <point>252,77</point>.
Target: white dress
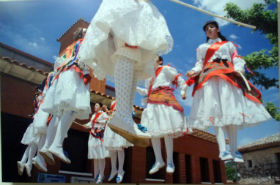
<point>68,93</point>
<point>113,141</point>
<point>160,119</point>
<point>96,148</point>
<point>28,136</point>
<point>135,22</point>
<point>31,134</point>
<point>41,117</point>
<point>219,103</point>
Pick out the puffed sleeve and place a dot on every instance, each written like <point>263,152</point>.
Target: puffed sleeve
<point>142,91</point>
<point>89,124</point>
<point>237,61</point>
<point>177,78</point>
<point>104,118</point>
<point>199,60</point>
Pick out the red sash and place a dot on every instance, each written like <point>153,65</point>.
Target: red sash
<point>153,79</point>
<point>164,96</point>
<point>49,119</point>
<point>95,118</point>
<point>223,70</point>
<point>79,71</point>
<point>113,106</point>
<point>175,81</point>
<point>210,52</point>
<point>69,52</point>
<point>96,132</point>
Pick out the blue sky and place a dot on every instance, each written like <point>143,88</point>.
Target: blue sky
<point>34,25</point>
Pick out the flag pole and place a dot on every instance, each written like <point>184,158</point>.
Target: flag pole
<point>214,15</point>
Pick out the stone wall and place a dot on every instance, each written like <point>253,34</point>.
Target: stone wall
<point>260,166</point>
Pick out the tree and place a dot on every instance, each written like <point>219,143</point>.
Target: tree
<point>264,17</point>
<point>231,171</point>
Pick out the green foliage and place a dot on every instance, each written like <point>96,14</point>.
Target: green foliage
<point>273,110</point>
<point>264,17</point>
<point>231,171</point>
<point>266,22</point>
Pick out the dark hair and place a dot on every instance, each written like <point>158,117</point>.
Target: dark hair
<point>160,59</point>
<point>99,104</point>
<point>217,26</point>
<point>78,34</point>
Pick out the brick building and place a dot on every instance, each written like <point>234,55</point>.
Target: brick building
<point>195,155</point>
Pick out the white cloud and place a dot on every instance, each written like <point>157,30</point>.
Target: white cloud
<point>27,38</point>
<point>245,141</point>
<point>218,6</point>
<point>232,36</point>
<point>33,44</point>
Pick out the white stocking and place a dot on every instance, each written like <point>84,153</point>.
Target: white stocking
<point>232,134</point>
<point>157,149</point>
<point>51,130</point>
<point>101,166</point>
<point>31,154</point>
<point>96,170</point>
<point>169,148</point>
<point>63,126</point>
<point>123,82</point>
<point>121,156</point>
<point>25,154</point>
<point>113,155</point>
<point>40,145</point>
<point>220,135</point>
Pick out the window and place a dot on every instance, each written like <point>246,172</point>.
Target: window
<point>188,169</point>
<point>249,164</point>
<point>176,174</point>
<point>204,170</point>
<point>217,171</point>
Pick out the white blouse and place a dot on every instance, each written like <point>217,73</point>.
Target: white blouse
<point>102,120</point>
<point>226,51</point>
<point>164,78</point>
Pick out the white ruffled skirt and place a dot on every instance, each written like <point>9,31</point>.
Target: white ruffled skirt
<point>68,93</point>
<point>113,141</point>
<point>137,23</point>
<point>40,121</point>
<point>96,148</point>
<point>161,120</point>
<point>218,103</point>
<point>28,135</point>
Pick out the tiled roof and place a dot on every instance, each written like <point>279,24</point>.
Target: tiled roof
<point>269,141</point>
<point>204,135</point>
<point>16,62</point>
<point>26,55</point>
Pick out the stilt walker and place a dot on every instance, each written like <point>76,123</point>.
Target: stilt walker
<point>116,145</point>
<point>164,116</point>
<point>223,97</point>
<point>68,98</point>
<point>96,148</point>
<point>116,44</point>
